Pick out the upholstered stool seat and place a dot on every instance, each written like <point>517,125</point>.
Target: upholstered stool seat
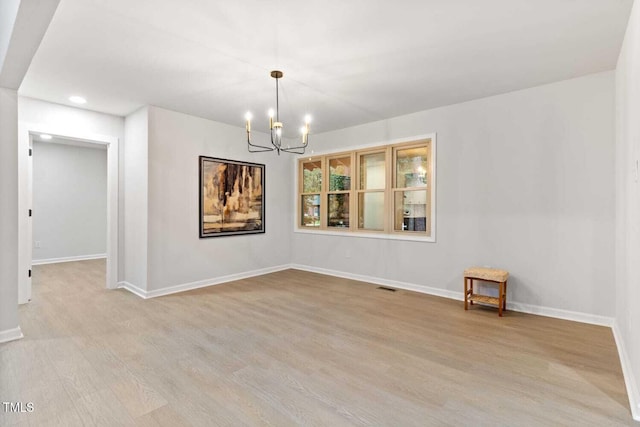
<point>488,275</point>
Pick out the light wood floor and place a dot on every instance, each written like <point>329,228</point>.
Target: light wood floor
<point>297,348</point>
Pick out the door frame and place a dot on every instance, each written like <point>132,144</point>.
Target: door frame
<point>25,199</point>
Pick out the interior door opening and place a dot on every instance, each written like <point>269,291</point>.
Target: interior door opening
<point>71,186</point>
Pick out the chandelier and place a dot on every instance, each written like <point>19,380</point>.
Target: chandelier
<point>276,128</point>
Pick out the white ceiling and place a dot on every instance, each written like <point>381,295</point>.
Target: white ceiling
<point>345,62</point>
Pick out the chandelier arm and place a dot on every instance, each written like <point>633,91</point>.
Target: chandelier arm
<point>298,147</point>
<point>255,148</point>
<point>299,150</point>
<point>260,150</point>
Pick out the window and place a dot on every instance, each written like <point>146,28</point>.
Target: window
<point>378,191</point>
<point>410,188</point>
<point>338,200</point>
<point>310,214</point>
<point>371,189</point>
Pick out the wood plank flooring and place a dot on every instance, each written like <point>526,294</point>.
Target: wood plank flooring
<point>298,348</point>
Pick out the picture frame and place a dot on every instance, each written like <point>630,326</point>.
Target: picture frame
<point>232,197</point>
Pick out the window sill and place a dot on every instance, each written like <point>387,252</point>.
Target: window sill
<point>365,235</point>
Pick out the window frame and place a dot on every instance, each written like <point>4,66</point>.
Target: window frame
<point>359,154</point>
<point>328,192</point>
<point>300,193</point>
<point>390,151</point>
<point>427,188</point>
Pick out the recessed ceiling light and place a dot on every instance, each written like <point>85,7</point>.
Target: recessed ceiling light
<point>45,136</point>
<point>77,99</point>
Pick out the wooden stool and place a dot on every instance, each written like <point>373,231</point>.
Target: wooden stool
<point>488,275</point>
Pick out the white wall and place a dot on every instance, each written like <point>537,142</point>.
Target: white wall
<point>69,201</point>
<point>628,208</point>
<point>176,255</point>
<point>525,182</point>
<point>9,328</point>
<point>136,173</point>
<point>22,26</point>
<point>8,14</point>
<point>76,123</point>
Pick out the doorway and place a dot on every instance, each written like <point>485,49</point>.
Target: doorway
<point>30,135</point>
<point>69,200</point>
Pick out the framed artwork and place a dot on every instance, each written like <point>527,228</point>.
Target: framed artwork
<point>231,197</point>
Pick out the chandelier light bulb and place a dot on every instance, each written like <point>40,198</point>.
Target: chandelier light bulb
<point>248,116</point>
<point>271,113</point>
<point>307,119</point>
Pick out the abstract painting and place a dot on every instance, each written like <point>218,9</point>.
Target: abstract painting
<point>231,197</point>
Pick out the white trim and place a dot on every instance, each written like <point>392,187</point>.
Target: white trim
<point>429,290</point>
<point>365,235</point>
<point>67,259</point>
<point>445,293</point>
<point>627,373</point>
<point>384,282</point>
<point>25,130</point>
<point>200,283</point>
<point>368,145</point>
<point>575,316</point>
<point>133,289</point>
<point>11,335</point>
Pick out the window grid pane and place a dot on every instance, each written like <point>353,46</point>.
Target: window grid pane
<point>372,171</point>
<point>338,207</point>
<point>411,167</point>
<point>312,177</point>
<point>410,210</point>
<point>371,210</point>
<point>310,210</point>
<point>340,174</point>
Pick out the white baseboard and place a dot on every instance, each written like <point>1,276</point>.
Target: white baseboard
<point>515,306</point>
<point>384,282</point>
<point>67,259</point>
<point>629,380</point>
<point>11,335</point>
<point>200,283</point>
<point>133,289</point>
<point>575,316</point>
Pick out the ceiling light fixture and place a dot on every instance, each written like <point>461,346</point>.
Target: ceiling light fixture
<point>77,99</point>
<point>45,136</point>
<point>276,128</point>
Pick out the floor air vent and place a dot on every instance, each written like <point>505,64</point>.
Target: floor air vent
<point>384,288</point>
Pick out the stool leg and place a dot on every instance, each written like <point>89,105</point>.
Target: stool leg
<point>500,299</point>
<point>466,304</point>
<point>504,300</point>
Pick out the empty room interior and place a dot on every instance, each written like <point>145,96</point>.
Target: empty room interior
<point>407,213</point>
